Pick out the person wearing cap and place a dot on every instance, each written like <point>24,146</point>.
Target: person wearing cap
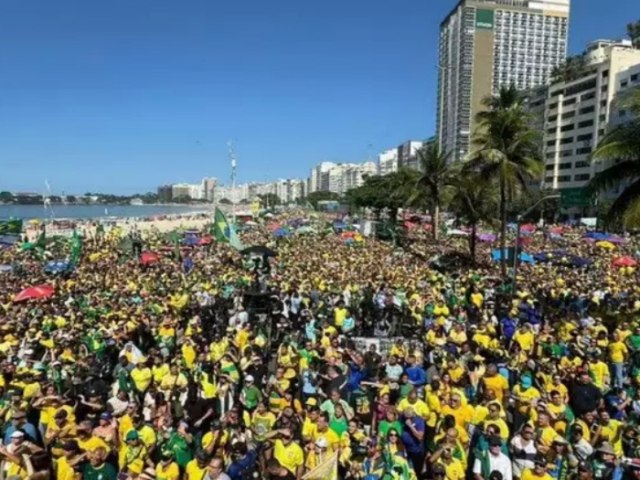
<point>19,423</point>
<point>132,452</point>
<point>492,460</point>
<point>250,395</point>
<point>106,429</point>
<point>538,472</point>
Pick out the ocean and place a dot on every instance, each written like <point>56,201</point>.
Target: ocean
<point>28,212</point>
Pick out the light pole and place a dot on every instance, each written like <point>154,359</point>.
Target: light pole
<point>518,225</point>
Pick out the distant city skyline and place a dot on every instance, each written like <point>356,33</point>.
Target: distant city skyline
<point>123,97</point>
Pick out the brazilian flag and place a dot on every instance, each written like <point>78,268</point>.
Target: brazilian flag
<point>13,226</point>
<point>225,232</point>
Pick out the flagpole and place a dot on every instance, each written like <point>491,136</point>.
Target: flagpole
<point>232,157</point>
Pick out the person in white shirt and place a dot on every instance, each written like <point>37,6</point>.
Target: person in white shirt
<point>493,461</point>
<point>523,450</point>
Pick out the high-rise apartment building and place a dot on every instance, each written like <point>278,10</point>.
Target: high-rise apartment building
<point>488,44</point>
<point>578,113</point>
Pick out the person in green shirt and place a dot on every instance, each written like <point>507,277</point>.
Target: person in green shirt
<point>250,395</point>
<point>178,447</point>
<point>97,468</point>
<point>390,422</point>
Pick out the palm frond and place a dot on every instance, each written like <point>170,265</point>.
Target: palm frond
<point>625,201</point>
<point>613,176</point>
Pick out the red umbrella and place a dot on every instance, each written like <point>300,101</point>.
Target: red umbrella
<point>149,258</point>
<point>205,240</point>
<point>624,262</point>
<point>39,291</point>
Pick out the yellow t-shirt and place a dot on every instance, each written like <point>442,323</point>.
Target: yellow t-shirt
<point>64,470</point>
<point>339,315</point>
<point>526,397</point>
<point>524,339</point>
<point>617,352</point>
<point>528,474</point>
<point>141,378</point>
<point>290,456</point>
<point>463,414</point>
<point>92,444</point>
<point>210,437</point>
<point>497,384</point>
<point>420,408</point>
<point>171,472</point>
<point>194,472</point>
<point>331,437</point>
<point>159,372</point>
<point>453,470</point>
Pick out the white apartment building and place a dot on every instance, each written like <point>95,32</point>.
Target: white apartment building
<point>487,44</point>
<point>319,179</point>
<point>579,113</point>
<point>388,161</point>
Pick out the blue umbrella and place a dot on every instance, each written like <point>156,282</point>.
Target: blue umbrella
<point>191,240</point>
<point>281,232</point>
<point>58,266</point>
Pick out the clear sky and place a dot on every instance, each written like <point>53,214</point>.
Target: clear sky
<point>122,95</point>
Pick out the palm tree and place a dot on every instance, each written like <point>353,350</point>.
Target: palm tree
<point>622,146</point>
<point>507,150</point>
<point>437,173</point>
<point>474,199</point>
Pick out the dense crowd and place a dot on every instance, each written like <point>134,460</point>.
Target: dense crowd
<point>320,358</point>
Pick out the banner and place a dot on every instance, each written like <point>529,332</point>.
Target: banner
<point>327,470</point>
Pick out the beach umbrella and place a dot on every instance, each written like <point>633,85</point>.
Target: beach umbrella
<point>616,240</point>
<point>576,261</point>
<point>281,232</point>
<point>524,241</point>
<point>605,245</point>
<point>57,266</point>
<point>259,250</point>
<point>149,258</point>
<point>9,239</point>
<point>38,291</point>
<point>528,228</point>
<point>191,240</point>
<point>306,229</point>
<point>624,262</point>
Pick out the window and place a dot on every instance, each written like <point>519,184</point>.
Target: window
<point>586,123</point>
<point>587,110</point>
<point>602,118</point>
<point>567,128</point>
<point>565,141</point>
<point>569,101</point>
<point>551,130</point>
<point>605,74</point>
<point>551,143</point>
<point>603,103</point>
<point>624,83</point>
<point>553,118</point>
<point>548,180</point>
<point>548,167</point>
<point>583,151</point>
<point>634,77</point>
<point>581,177</point>
<point>585,137</point>
<point>581,164</point>
<point>553,106</point>
<point>566,153</point>
<point>564,178</point>
<point>568,115</point>
<point>564,166</point>
<point>588,96</point>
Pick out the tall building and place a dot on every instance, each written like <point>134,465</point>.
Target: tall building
<point>319,179</point>
<point>578,113</point>
<point>208,187</point>
<point>407,154</point>
<point>181,190</point>
<point>488,44</point>
<point>388,161</point>
<point>165,193</point>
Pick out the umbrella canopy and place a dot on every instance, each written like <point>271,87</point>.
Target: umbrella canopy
<point>524,241</point>
<point>624,262</point>
<point>259,250</point>
<point>149,258</point>
<point>457,233</point>
<point>605,245</point>
<point>191,240</point>
<point>9,239</point>
<point>281,232</point>
<point>306,229</point>
<point>616,240</point>
<point>528,228</point>
<point>38,291</point>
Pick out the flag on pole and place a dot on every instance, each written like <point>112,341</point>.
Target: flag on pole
<point>76,248</point>
<point>327,470</point>
<point>225,232</point>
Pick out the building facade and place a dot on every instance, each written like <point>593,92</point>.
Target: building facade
<point>577,114</point>
<point>165,193</point>
<point>487,44</point>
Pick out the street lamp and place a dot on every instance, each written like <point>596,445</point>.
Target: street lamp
<point>518,225</point>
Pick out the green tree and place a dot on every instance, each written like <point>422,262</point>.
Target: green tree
<point>323,196</point>
<point>571,69</point>
<point>392,191</point>
<point>507,150</point>
<point>269,199</point>
<point>474,200</point>
<point>225,201</point>
<point>438,173</point>
<point>633,31</point>
<point>621,147</point>
<point>6,197</point>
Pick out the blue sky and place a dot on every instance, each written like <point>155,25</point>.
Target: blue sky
<point>123,95</point>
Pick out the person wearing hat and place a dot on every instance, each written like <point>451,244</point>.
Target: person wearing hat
<point>250,395</point>
<point>538,472</point>
<point>132,452</point>
<point>603,463</point>
<point>492,460</point>
<point>19,422</point>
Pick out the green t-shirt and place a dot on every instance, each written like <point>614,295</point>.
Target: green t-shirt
<point>385,426</point>
<point>252,396</point>
<point>105,472</point>
<point>634,342</point>
<point>180,448</point>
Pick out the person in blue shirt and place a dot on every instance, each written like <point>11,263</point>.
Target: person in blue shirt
<point>243,462</point>
<point>417,375</point>
<point>413,438</point>
<point>19,422</point>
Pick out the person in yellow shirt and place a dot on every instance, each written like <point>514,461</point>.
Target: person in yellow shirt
<point>526,396</point>
<point>61,431</point>
<point>412,401</point>
<point>133,453</point>
<point>72,458</point>
<point>538,472</point>
<point>86,440</point>
<point>618,354</point>
<point>495,382</point>
<point>167,469</point>
<point>173,382</point>
<point>525,338</point>
<point>196,469</point>
<point>545,433</point>
<point>159,370</point>
<point>141,376</point>
<point>324,432</point>
<point>287,452</point>
<point>463,414</point>
<point>451,467</point>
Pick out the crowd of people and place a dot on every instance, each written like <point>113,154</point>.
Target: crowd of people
<point>319,358</point>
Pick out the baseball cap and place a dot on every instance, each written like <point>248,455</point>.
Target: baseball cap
<point>132,435</point>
